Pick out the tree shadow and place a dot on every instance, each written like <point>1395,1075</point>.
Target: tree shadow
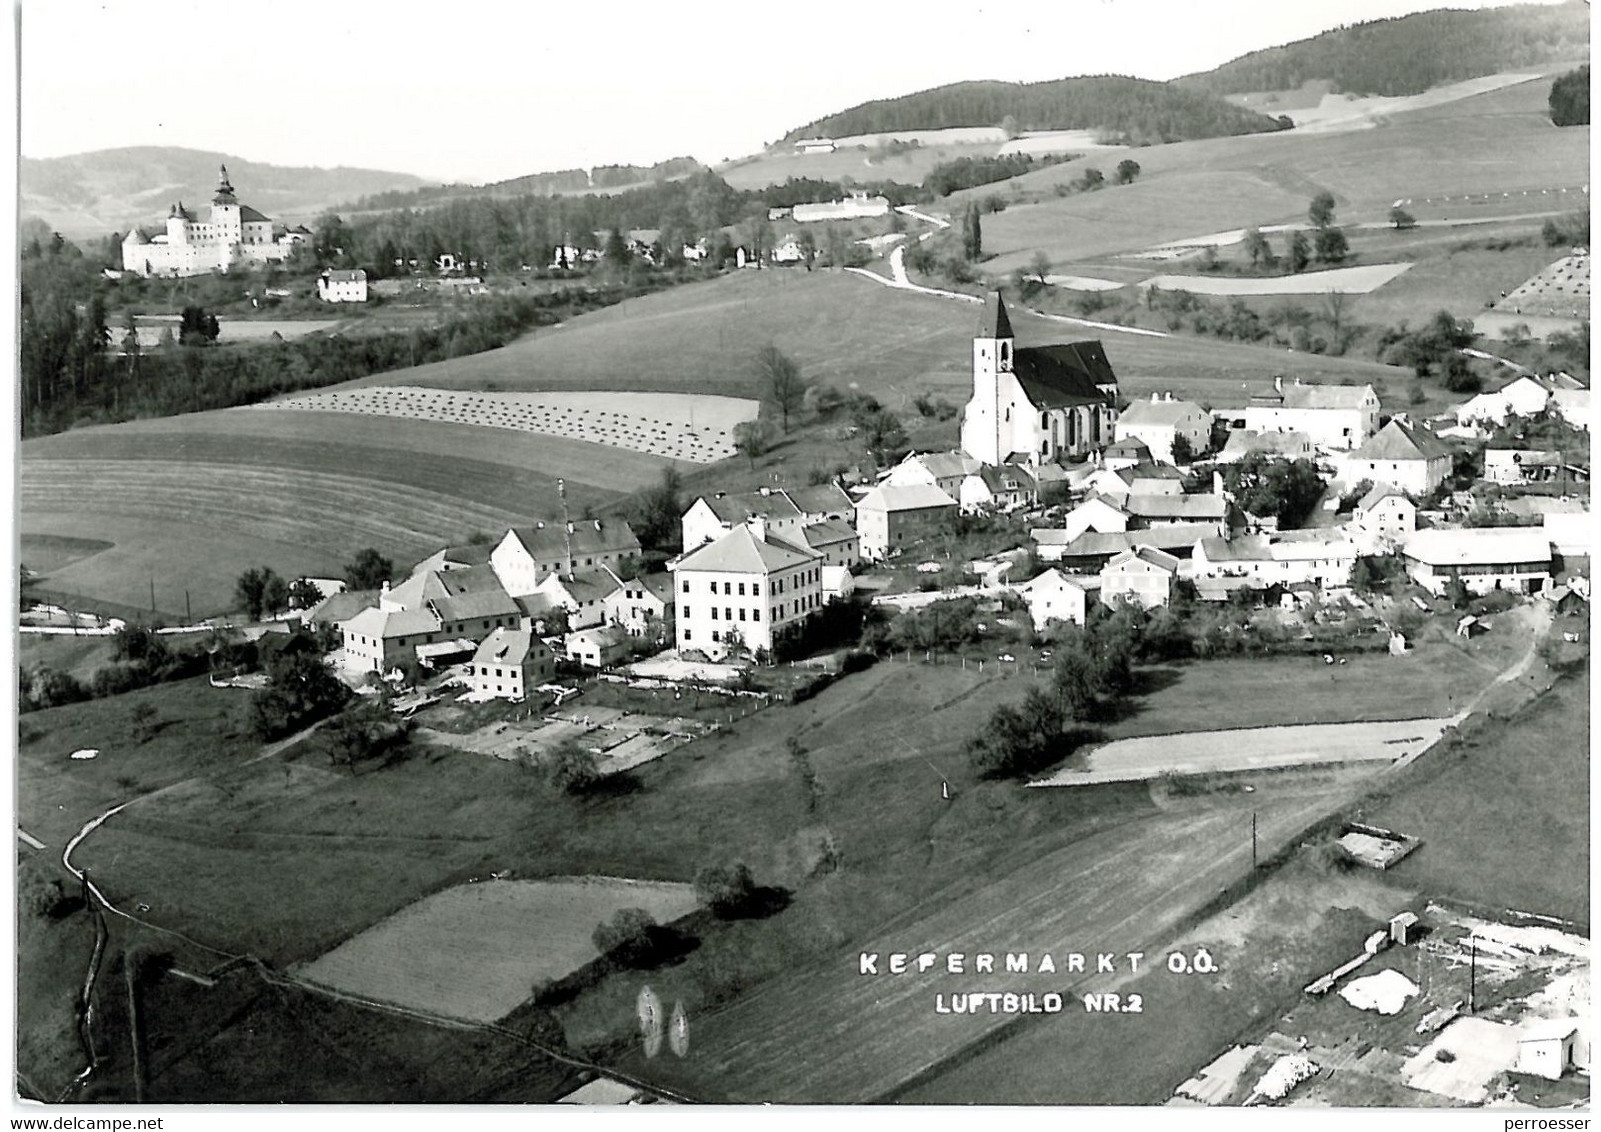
<point>1143,682</point>
<point>762,901</point>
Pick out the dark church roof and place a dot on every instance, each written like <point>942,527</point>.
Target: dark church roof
<point>1055,377</point>
<point>994,323</point>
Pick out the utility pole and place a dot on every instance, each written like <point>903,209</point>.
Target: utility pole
<point>1473,974</point>
<point>152,596</point>
<point>188,617</point>
<point>566,526</point>
<point>1253,840</point>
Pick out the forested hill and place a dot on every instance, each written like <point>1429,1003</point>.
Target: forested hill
<point>1137,109</point>
<point>1410,54</point>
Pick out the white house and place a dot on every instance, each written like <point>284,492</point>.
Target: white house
<point>1053,596</point>
<point>1137,479</point>
<point>1142,575</point>
<point>1125,452</point>
<point>1410,458</point>
<point>1512,466</point>
<point>509,663</point>
<point>1332,416</point>
<point>527,555</point>
<point>815,145</point>
<point>641,604</point>
<point>1522,397</point>
<point>1550,1047</point>
<point>743,588</point>
<point>712,516</point>
<point>1573,406</point>
<point>1162,420</point>
<point>1033,405</point>
<point>584,595</point>
<point>945,470</point>
<point>1322,558</point>
<point>857,206</point>
<point>1243,442</point>
<point>1005,488</point>
<point>1485,558</point>
<point>892,516</point>
<point>599,647</point>
<point>836,541</point>
<point>1382,520</point>
<point>338,286</point>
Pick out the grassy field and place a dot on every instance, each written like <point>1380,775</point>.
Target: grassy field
<point>192,501</point>
<point>909,166</point>
<point>65,653</point>
<point>474,951</point>
<point>1512,792</point>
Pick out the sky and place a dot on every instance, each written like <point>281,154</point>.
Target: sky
<point>482,90</point>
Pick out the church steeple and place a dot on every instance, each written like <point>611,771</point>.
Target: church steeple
<point>224,189</point>
<point>994,324</point>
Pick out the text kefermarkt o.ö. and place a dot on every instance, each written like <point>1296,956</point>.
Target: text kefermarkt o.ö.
<point>1024,963</point>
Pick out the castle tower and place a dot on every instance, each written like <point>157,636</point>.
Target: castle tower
<point>226,223</point>
<point>986,421</point>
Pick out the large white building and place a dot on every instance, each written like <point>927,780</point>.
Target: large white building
<point>1412,459</point>
<point>1161,421</point>
<point>527,555</point>
<point>1484,558</point>
<point>1322,558</point>
<point>1332,416</point>
<point>226,235</point>
<point>740,590</point>
<point>1036,404</point>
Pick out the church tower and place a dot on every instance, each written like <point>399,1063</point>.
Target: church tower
<point>226,224</point>
<point>986,421</point>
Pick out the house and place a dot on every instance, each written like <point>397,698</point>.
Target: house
<point>742,589</point>
<point>787,250</point>
<point>892,516</point>
<point>1243,442</point>
<point>1402,455</point>
<point>820,503</point>
<point>1005,488</point>
<point>1524,396</point>
<point>1126,452</point>
<point>1092,549</point>
<point>462,557</point>
<point>1382,519</point>
<point>1331,416</point>
<point>1484,558</point>
<point>1035,405</point>
<point>527,555</point>
<point>583,595</point>
<point>1569,533</point>
<point>1513,466</point>
<point>1573,406</point>
<point>815,145</point>
<point>336,286</point>
<point>337,607</point>
<point>1166,509</point>
<point>1320,558</point>
<point>1144,478</point>
<point>836,541</point>
<point>641,606</point>
<point>599,647</point>
<point>712,516</point>
<point>1054,597</point>
<point>431,617</point>
<point>857,206</point>
<point>945,470</point>
<point>1142,575</point>
<point>509,663</point>
<point>1161,421</point>
<point>1550,1047</point>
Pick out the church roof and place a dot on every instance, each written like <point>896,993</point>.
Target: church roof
<point>994,323</point>
<point>1055,377</point>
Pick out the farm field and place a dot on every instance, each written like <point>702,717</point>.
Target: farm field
<point>192,501</point>
<point>474,951</point>
<point>909,166</point>
<point>1511,790</point>
<point>1341,280</point>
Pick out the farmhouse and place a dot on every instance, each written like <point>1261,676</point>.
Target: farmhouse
<point>742,589</point>
<point>1092,550</point>
<point>1522,397</point>
<point>1410,458</point>
<point>1243,442</point>
<point>1141,575</point>
<point>638,604</point>
<point>215,239</point>
<point>430,616</point>
<point>1484,558</point>
<point>1005,488</point>
<point>1332,416</point>
<point>583,595</point>
<point>712,516</point>
<point>1126,452</point>
<point>857,206</point>
<point>1138,479</point>
<point>509,663</point>
<point>945,470</point>
<point>1382,519</point>
<point>890,517</point>
<point>836,541</point>
<point>1037,404</point>
<point>1513,466</point>
<point>342,286</point>
<point>597,648</point>
<point>1573,406</point>
<point>1054,597</point>
<point>527,555</point>
<point>815,145</point>
<point>1102,513</point>
<point>1162,421</point>
<point>1318,558</point>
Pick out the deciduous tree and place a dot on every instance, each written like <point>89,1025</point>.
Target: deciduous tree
<point>781,379</point>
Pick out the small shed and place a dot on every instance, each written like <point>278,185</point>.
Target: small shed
<point>1549,1048</point>
<point>1403,927</point>
<point>1471,626</point>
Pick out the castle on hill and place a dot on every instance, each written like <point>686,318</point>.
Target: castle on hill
<point>1038,404</point>
<point>226,235</point>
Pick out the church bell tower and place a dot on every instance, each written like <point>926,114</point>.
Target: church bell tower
<point>986,421</point>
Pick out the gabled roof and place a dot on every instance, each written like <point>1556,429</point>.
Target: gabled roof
<point>1056,377</point>
<point>1477,546</point>
<point>1146,554</point>
<point>346,275</point>
<point>250,215</point>
<point>742,551</point>
<point>659,586</point>
<point>1304,396</point>
<point>993,323</point>
<point>1146,471</point>
<point>386,624</point>
<point>1129,446</point>
<point>904,497</point>
<point>589,536</point>
<point>733,509</point>
<point>1397,441</point>
<point>1377,494</point>
<point>945,465</point>
<point>511,647</point>
<point>342,606</point>
<point>1246,548</point>
<point>444,585</point>
<point>1052,578</point>
<point>821,499</point>
<point>585,585</point>
<point>1093,544</point>
<point>1166,413</point>
<point>1192,507</point>
<point>1007,478</point>
<point>830,532</point>
<point>1242,442</point>
<point>482,603</point>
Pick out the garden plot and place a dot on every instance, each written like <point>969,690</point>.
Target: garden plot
<point>476,951</point>
<point>624,740</point>
<point>1343,280</point>
<point>1561,290</point>
<point>697,428</point>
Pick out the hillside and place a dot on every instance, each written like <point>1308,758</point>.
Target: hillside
<point>1140,110</point>
<point>110,190</point>
<point>600,179</point>
<point>1410,54</point>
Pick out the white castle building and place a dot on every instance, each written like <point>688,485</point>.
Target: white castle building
<point>216,239</point>
<point>1037,404</point>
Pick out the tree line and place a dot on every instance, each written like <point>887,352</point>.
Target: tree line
<point>1570,98</point>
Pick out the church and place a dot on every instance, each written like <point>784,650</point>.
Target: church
<point>215,239</point>
<point>1037,404</point>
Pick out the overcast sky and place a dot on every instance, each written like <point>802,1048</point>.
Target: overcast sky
<point>479,90</point>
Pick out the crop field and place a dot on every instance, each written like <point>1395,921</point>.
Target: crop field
<point>1341,280</point>
<point>190,502</point>
<point>1561,289</point>
<point>909,166</point>
<point>1498,142</point>
<point>476,951</point>
<point>660,424</point>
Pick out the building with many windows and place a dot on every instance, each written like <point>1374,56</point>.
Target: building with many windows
<point>739,591</point>
<point>200,241</point>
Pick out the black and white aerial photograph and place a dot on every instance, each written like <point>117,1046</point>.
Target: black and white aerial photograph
<point>1017,553</point>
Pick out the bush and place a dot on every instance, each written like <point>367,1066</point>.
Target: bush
<point>628,938</point>
<point>726,890</point>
